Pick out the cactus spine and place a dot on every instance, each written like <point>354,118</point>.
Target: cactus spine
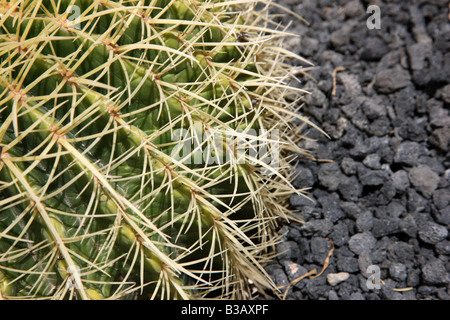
<point>126,138</point>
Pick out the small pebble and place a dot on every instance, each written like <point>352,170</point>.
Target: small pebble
<point>335,278</point>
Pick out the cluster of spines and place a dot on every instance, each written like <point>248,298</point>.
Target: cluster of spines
<point>134,100</point>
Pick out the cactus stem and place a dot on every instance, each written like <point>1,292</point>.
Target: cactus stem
<point>35,200</point>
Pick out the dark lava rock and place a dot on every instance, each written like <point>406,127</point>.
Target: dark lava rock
<point>374,108</point>
<point>305,178</point>
<point>424,180</point>
<point>363,148</point>
<point>435,272</point>
<point>362,242</point>
<point>347,264</point>
<point>320,248</point>
<point>390,80</point>
<point>443,247</point>
<point>349,166</point>
<point>278,275</point>
<point>396,209</point>
<point>385,226</point>
<point>340,234</point>
<point>349,188</point>
<point>432,233</point>
<point>330,207</point>
<point>364,221</point>
<point>404,103</point>
<point>374,50</point>
<point>354,9</point>
<point>443,216</point>
<point>408,226</point>
<point>400,252</point>
<point>413,279</point>
<point>288,250</point>
<point>351,209</point>
<point>408,153</point>
<point>372,161</point>
<point>293,270</point>
<point>297,200</point>
<point>400,180</point>
<point>446,93</point>
<point>416,203</point>
<point>321,227</point>
<point>440,138</point>
<point>438,116</point>
<point>373,177</point>
<point>417,53</point>
<point>398,271</point>
<point>330,175</point>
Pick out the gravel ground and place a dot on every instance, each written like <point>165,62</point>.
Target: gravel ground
<point>380,183</point>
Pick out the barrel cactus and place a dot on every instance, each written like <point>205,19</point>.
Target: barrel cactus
<point>143,148</point>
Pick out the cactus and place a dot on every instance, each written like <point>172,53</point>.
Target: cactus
<point>143,148</point>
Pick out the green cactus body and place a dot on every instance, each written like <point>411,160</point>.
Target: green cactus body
<point>123,138</point>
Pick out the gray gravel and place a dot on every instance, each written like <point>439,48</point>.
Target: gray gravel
<point>382,198</point>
